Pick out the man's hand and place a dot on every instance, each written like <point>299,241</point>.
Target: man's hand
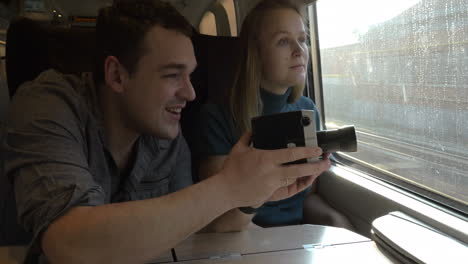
<point>253,175</point>
<point>294,187</point>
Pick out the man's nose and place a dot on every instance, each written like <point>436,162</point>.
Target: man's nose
<point>187,92</point>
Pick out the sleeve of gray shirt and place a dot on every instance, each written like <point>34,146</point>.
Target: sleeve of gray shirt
<point>46,156</point>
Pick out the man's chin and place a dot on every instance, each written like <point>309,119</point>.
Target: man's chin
<point>166,133</point>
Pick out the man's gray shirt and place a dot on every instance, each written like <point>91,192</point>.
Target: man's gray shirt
<point>57,155</point>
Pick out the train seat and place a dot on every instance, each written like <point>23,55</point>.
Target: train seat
<point>33,47</point>
<point>217,63</point>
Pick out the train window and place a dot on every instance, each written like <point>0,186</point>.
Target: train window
<point>397,70</point>
<point>220,19</point>
<point>34,5</point>
<point>230,8</point>
<point>4,95</point>
<point>208,24</point>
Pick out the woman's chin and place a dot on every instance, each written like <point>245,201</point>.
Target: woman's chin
<point>297,82</point>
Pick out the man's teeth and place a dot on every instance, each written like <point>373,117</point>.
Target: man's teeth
<point>175,110</point>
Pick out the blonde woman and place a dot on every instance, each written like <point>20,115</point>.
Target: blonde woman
<point>270,79</point>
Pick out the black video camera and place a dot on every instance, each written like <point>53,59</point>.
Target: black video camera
<point>291,129</point>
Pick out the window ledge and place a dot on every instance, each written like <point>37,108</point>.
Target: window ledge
<point>442,219</point>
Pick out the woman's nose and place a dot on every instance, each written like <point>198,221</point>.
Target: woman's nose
<point>298,49</point>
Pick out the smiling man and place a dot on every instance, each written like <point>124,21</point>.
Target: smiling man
<point>99,165</point>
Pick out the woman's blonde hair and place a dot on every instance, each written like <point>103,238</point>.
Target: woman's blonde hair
<point>243,98</point>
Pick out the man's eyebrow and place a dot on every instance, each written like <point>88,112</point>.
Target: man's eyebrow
<point>172,66</point>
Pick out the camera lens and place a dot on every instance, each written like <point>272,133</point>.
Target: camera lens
<point>305,121</point>
<point>341,139</point>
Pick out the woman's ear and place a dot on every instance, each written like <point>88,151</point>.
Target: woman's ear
<point>115,74</point>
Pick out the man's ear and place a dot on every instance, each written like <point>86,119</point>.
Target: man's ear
<point>115,74</point>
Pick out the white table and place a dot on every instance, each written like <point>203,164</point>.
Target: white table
<point>290,244</point>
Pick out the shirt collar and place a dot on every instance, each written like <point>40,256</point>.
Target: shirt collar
<point>273,103</point>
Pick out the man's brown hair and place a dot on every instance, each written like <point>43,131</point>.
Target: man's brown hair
<point>122,27</point>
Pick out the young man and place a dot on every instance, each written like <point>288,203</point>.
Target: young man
<point>100,168</point>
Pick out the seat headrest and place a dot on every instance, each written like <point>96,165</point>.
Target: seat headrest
<point>217,63</point>
<point>217,59</point>
<point>34,46</point>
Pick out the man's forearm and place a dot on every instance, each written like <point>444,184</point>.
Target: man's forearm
<point>231,221</point>
<point>134,232</point>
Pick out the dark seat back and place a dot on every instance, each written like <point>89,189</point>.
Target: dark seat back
<point>217,65</point>
<point>33,47</point>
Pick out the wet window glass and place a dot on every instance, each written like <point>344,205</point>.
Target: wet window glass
<point>398,71</point>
